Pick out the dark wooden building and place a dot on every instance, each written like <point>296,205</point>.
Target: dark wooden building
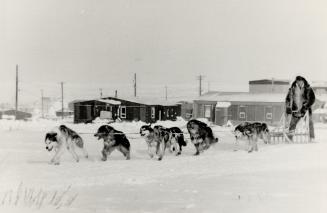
<point>87,111</point>
<point>148,110</point>
<point>129,109</point>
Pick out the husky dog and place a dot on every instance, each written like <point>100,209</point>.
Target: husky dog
<point>113,139</point>
<point>252,131</point>
<point>147,132</point>
<point>176,140</point>
<point>159,138</point>
<point>201,135</point>
<point>63,137</point>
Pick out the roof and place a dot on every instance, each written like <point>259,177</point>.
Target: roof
<point>214,95</point>
<point>250,97</point>
<point>320,111</point>
<point>270,81</point>
<point>322,97</point>
<point>223,104</point>
<point>148,101</point>
<point>319,84</point>
<point>109,101</point>
<point>65,110</point>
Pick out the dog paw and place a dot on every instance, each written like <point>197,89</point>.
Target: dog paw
<point>103,159</point>
<point>57,163</point>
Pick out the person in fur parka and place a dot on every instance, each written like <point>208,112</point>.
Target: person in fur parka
<point>299,100</point>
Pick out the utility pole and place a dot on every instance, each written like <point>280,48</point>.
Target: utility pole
<point>16,99</point>
<point>100,92</point>
<point>42,103</point>
<point>62,100</point>
<point>166,92</point>
<point>134,84</point>
<point>200,78</point>
<point>116,94</point>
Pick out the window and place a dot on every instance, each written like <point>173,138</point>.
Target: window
<point>153,112</point>
<point>123,112</point>
<point>269,116</point>
<point>242,115</point>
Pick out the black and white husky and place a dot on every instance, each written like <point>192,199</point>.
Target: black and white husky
<point>61,138</point>
<point>177,140</point>
<point>252,131</point>
<point>159,138</point>
<point>155,139</point>
<point>113,139</point>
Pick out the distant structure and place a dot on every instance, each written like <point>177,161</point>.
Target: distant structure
<point>18,115</point>
<point>269,86</point>
<point>264,102</point>
<point>129,109</point>
<point>319,87</point>
<point>65,112</point>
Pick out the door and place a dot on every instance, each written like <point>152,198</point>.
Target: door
<point>143,114</point>
<point>220,116</point>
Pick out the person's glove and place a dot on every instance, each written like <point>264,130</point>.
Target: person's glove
<point>288,110</point>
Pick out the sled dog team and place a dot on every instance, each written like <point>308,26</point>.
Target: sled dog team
<point>157,138</point>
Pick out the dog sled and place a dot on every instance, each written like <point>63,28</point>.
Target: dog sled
<point>281,133</point>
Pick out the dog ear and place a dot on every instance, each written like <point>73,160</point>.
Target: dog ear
<point>47,136</point>
<point>50,135</point>
<point>108,128</point>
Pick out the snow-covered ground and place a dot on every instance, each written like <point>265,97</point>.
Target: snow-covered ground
<point>278,178</point>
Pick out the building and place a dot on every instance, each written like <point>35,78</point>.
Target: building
<point>64,113</point>
<point>239,107</point>
<point>148,110</point>
<point>129,109</point>
<point>20,115</point>
<point>87,110</point>
<point>269,86</point>
<point>319,87</point>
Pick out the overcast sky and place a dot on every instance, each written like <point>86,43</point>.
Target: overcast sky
<point>90,44</point>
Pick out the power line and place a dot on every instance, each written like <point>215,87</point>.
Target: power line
<point>42,103</point>
<point>62,99</point>
<point>166,95</point>
<point>16,99</point>
<point>134,84</point>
